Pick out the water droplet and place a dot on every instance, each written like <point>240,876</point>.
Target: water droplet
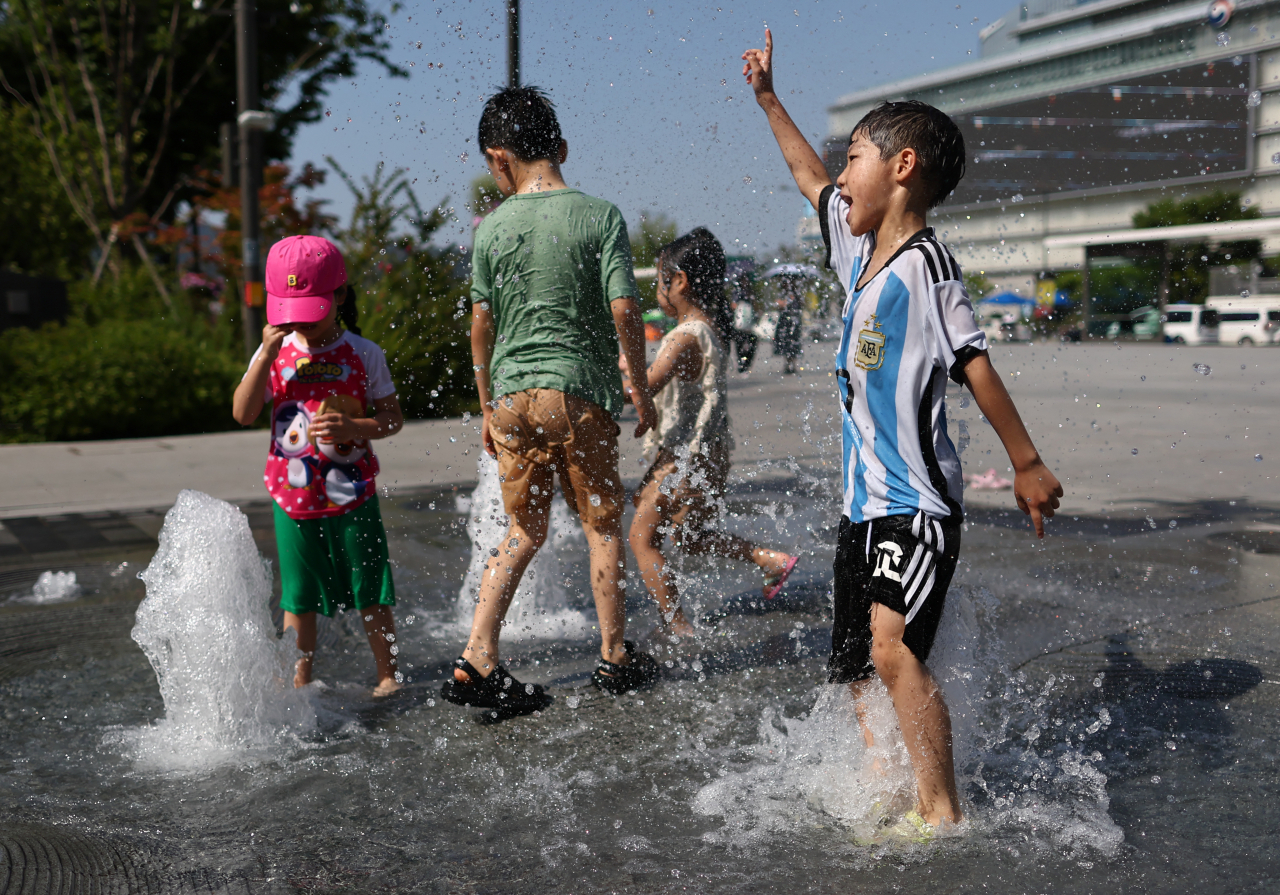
<point>1257,457</point>
<point>1275,158</point>
<point>1155,778</point>
<point>1144,379</point>
<point>595,500</point>
<point>1223,38</point>
<point>1195,570</point>
<point>746,179</point>
<point>1255,99</point>
<point>572,701</point>
<point>463,158</point>
<point>1134,452</point>
<point>327,113</point>
<point>1017,197</point>
<point>1173,523</point>
<point>1202,369</point>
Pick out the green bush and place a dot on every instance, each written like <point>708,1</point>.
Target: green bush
<point>113,379</point>
<point>421,318</point>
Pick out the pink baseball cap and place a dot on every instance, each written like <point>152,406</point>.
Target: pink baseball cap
<point>302,274</point>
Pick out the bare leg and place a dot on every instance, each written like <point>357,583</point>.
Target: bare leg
<point>859,691</point>
<point>646,542</point>
<point>699,541</point>
<point>380,628</point>
<point>502,575</point>
<point>923,716</point>
<point>607,567</point>
<point>305,627</point>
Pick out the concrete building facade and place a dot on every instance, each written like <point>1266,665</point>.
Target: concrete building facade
<point>1079,114</point>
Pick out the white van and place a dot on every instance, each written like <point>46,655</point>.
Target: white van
<point>1190,324</point>
<point>1252,320</point>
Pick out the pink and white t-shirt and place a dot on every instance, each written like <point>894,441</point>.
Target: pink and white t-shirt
<point>309,479</point>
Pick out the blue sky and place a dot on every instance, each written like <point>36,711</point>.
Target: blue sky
<point>650,97</point>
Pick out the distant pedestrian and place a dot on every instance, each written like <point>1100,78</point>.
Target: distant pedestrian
<point>689,378</point>
<point>331,392</point>
<point>786,338</point>
<point>552,293</point>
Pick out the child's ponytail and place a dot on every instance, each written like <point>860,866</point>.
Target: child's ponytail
<point>699,254</point>
<point>348,311</point>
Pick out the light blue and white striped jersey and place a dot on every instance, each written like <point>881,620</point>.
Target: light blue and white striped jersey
<point>908,327</point>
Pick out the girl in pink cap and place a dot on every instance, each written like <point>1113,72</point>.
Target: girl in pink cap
<point>331,393</point>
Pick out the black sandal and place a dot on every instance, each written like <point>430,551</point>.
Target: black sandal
<point>499,691</point>
<point>619,679</point>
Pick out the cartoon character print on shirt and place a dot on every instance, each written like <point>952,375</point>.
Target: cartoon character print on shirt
<point>307,477</point>
<point>339,461</point>
<point>291,431</point>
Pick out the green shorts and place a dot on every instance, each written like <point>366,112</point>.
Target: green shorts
<point>334,563</point>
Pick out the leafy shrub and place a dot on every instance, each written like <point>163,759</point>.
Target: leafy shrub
<point>113,379</point>
<point>414,299</point>
<point>421,317</point>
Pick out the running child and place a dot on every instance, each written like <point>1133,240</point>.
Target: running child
<point>552,294</point>
<point>908,324</point>
<point>331,392</point>
<point>689,379</point>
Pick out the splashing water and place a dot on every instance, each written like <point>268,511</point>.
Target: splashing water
<point>539,610</point>
<point>1012,776</point>
<point>205,627</point>
<point>52,587</point>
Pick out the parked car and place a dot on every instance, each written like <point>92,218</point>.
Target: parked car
<point>1190,324</point>
<point>1146,323</point>
<point>1246,320</point>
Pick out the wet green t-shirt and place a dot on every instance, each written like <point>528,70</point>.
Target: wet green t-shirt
<point>549,264</point>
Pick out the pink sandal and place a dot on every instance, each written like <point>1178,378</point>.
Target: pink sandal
<point>989,481</point>
<point>781,579</point>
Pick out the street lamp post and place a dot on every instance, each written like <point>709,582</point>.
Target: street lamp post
<point>513,43</point>
<point>251,122</point>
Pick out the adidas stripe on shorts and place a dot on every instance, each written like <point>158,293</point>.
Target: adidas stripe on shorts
<point>904,563</point>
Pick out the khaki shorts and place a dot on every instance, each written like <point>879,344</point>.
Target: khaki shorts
<point>687,492</point>
<point>541,431</point>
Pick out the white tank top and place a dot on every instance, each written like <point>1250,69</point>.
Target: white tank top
<point>693,415</point>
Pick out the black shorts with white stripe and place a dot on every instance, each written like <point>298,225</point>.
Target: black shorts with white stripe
<point>904,563</point>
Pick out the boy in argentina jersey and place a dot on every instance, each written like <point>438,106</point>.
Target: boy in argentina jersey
<point>908,325</point>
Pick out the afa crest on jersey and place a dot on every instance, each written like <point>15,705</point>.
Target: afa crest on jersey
<point>870,354</point>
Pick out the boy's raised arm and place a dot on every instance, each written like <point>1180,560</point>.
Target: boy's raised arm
<point>806,167</point>
<point>1035,488</point>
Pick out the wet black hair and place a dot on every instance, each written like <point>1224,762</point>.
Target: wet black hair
<point>699,254</point>
<point>938,143</point>
<point>522,121</point>
<point>348,312</point>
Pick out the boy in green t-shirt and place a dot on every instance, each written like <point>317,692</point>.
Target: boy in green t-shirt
<point>552,293</point>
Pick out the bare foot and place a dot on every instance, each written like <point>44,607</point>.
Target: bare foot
<point>386,687</point>
<point>302,673</point>
<point>774,566</point>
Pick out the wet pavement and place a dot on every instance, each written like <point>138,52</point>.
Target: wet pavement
<point>1114,688</point>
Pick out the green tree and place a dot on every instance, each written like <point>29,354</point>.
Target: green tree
<point>978,286</point>
<point>124,98</point>
<point>647,239</point>
<point>1189,263</point>
<point>42,233</point>
<point>413,298</point>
